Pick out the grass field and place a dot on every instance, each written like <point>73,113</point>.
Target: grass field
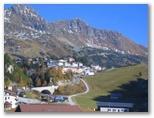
<point>104,82</point>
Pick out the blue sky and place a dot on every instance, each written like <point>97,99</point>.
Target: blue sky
<point>130,20</point>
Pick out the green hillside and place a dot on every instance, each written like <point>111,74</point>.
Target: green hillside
<point>105,82</point>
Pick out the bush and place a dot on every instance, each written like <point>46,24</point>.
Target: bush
<point>33,94</point>
<point>70,89</point>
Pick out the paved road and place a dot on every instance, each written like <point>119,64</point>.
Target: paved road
<point>28,100</point>
<point>71,102</point>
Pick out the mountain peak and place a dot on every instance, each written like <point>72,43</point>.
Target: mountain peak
<point>26,16</point>
<point>22,9</point>
<point>20,6</point>
<point>78,20</point>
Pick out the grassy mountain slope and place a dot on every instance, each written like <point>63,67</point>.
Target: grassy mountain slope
<point>105,82</point>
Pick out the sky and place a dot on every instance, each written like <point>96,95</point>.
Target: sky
<point>132,20</point>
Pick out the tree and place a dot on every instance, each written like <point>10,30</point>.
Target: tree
<point>22,82</point>
<point>68,75</point>
<point>140,74</point>
<point>7,59</point>
<point>44,83</point>
<point>38,82</point>
<point>20,78</point>
<point>47,78</point>
<point>7,82</point>
<point>56,74</point>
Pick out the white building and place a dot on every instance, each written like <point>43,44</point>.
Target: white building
<point>70,59</point>
<point>10,97</point>
<point>89,72</point>
<point>60,63</point>
<point>80,64</point>
<point>96,67</point>
<point>114,106</point>
<point>67,64</point>
<point>107,109</point>
<point>74,64</point>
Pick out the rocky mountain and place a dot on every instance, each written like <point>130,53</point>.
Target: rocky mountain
<point>28,34</point>
<point>91,37</point>
<point>23,22</point>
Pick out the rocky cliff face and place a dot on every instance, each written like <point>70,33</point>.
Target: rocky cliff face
<point>91,37</point>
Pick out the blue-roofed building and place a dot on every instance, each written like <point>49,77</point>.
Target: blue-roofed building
<point>114,103</point>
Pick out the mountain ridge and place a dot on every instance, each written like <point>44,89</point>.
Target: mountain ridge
<point>25,28</point>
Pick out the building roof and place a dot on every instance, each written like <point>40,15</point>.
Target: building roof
<point>48,108</point>
<point>115,104</point>
<point>10,92</point>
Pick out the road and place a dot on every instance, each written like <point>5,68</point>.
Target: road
<point>71,102</point>
<point>28,100</point>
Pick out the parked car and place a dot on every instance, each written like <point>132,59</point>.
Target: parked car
<point>60,98</point>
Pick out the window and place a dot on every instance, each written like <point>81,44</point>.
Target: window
<point>114,110</point>
<point>109,110</point>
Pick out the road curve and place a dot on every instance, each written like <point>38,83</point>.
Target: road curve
<point>71,102</point>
